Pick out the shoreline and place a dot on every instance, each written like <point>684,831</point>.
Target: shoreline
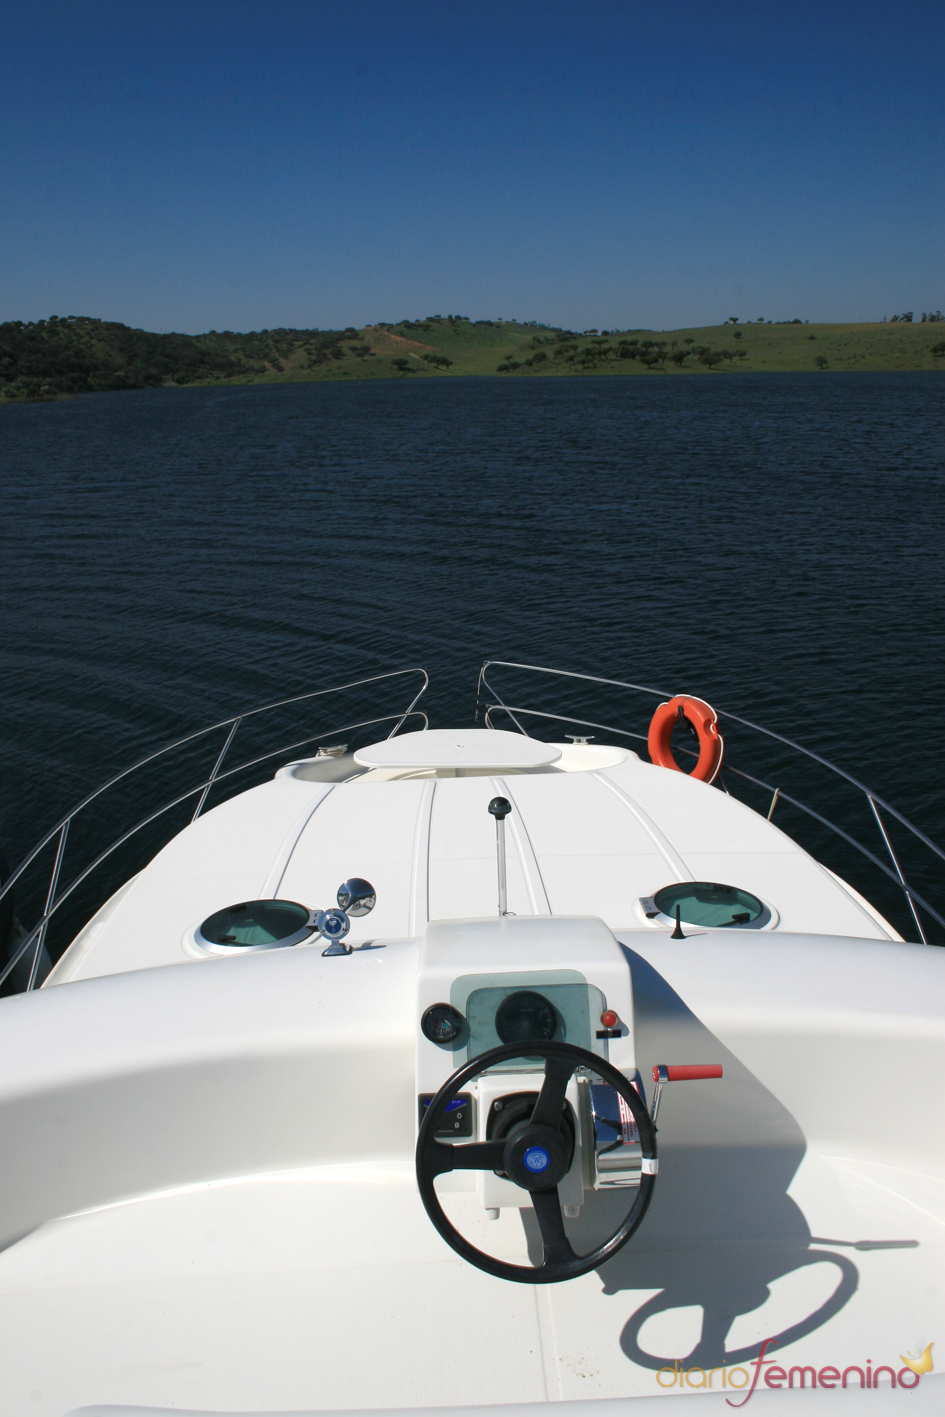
<point>51,360</point>
<point>279,381</point>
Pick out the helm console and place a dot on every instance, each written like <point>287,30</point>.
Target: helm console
<point>485,986</point>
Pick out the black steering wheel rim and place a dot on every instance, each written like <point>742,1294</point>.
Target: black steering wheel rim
<point>559,1261</point>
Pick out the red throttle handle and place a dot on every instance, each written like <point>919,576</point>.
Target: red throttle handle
<point>686,1072</point>
<point>680,1072</point>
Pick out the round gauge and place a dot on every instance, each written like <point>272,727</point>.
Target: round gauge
<point>526,1017</point>
<point>441,1023</point>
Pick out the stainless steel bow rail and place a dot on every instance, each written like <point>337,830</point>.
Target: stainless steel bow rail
<point>56,838</point>
<point>56,898</point>
<point>895,874</point>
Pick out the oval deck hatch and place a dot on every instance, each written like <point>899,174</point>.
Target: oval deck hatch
<point>483,749</point>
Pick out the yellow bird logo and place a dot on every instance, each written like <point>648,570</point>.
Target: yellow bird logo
<point>919,1365</point>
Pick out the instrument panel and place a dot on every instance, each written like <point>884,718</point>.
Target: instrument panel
<point>558,1006</point>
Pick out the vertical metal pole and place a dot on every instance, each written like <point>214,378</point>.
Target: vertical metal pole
<point>216,768</point>
<point>774,802</point>
<point>500,807</point>
<point>50,899</point>
<point>915,915</point>
<point>503,878</point>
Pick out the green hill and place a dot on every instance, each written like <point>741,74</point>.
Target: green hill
<point>57,358</point>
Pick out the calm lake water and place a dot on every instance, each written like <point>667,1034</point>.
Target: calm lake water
<point>771,543</point>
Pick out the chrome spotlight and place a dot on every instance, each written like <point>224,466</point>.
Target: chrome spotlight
<point>333,925</point>
<point>357,897</point>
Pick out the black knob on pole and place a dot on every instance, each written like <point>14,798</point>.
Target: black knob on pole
<point>500,807</point>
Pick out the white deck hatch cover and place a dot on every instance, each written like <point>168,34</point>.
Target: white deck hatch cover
<point>483,749</point>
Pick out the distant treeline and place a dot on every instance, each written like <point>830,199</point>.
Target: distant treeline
<point>565,348</point>
<point>80,355</point>
<point>55,358</point>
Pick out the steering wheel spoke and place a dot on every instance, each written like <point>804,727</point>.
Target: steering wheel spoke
<point>550,1102</point>
<point>555,1243</point>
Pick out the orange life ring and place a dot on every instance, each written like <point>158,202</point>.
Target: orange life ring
<point>704,720</point>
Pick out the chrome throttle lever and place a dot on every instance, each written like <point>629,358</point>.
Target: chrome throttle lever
<point>680,1072</point>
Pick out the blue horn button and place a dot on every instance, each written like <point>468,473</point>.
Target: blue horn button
<point>536,1158</point>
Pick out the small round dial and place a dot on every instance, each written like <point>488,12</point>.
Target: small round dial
<point>441,1023</point>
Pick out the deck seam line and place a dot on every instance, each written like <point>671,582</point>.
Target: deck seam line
<point>662,843</point>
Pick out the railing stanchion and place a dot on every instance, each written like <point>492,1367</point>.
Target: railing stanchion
<point>216,767</point>
<point>892,855</point>
<point>50,900</point>
<point>410,707</point>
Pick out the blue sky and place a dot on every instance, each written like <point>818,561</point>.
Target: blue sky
<point>242,166</point>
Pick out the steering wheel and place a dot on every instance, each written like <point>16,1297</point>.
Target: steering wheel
<point>535,1154</point>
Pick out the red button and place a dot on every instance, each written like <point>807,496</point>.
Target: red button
<point>609,1019</point>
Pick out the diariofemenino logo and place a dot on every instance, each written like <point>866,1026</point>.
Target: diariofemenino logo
<point>863,1375</point>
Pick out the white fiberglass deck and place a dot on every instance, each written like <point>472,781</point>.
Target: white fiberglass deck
<point>594,833</point>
